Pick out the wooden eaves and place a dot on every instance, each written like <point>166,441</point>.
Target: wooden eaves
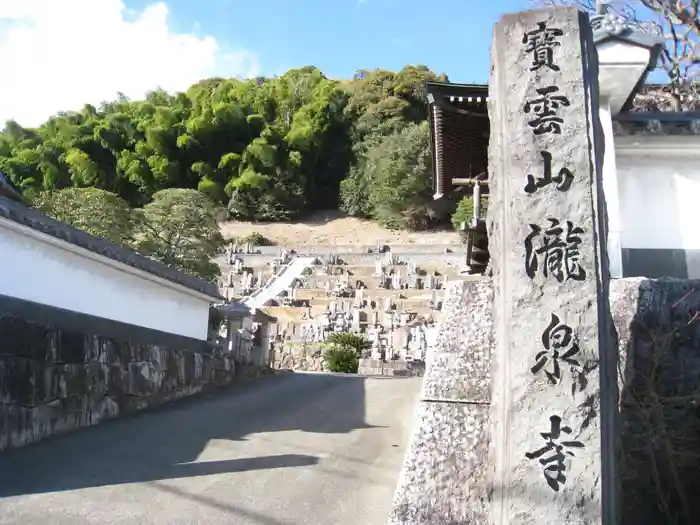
<point>459,132</point>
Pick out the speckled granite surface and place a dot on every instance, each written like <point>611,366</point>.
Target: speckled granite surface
<point>444,475</point>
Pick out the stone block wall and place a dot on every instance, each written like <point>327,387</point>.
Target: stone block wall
<point>53,380</point>
<point>444,478</point>
<point>658,325</point>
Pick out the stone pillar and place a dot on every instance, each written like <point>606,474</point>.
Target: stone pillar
<point>554,391</point>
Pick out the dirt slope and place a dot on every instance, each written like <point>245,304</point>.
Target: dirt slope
<point>333,228</point>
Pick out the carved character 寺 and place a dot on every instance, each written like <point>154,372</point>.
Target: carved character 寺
<point>554,467</point>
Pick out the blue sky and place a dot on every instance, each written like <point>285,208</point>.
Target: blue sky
<point>342,36</point>
<point>58,55</point>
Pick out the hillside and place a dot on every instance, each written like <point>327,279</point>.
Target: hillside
<point>334,228</point>
<point>267,149</point>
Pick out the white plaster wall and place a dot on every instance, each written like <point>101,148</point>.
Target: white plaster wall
<point>44,272</point>
<point>659,201</point>
<point>611,193</point>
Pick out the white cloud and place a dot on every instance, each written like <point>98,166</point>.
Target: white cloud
<point>56,55</point>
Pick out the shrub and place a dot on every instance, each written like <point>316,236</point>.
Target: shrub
<point>256,239</point>
<point>341,359</point>
<point>355,342</point>
<point>465,210</point>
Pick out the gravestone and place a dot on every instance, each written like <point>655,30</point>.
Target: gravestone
<point>554,389</point>
<point>360,297</point>
<point>356,320</point>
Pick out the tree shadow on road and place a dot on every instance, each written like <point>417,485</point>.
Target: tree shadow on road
<point>165,443</point>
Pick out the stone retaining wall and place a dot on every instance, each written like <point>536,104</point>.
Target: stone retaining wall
<point>299,357</point>
<point>377,367</point>
<point>54,380</point>
<point>444,478</point>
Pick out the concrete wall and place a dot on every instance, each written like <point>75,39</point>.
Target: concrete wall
<point>44,269</point>
<point>659,213</point>
<point>444,480</point>
<point>60,370</point>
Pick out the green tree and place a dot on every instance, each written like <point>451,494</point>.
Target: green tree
<point>96,211</point>
<point>269,148</point>
<point>179,228</point>
<point>465,210</point>
<point>382,104</point>
<point>398,173</point>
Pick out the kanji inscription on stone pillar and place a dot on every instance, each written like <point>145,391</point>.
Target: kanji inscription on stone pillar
<point>554,391</point>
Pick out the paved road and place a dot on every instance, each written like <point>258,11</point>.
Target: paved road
<point>311,449</point>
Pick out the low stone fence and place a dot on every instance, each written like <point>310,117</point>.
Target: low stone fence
<point>55,379</point>
<point>444,478</point>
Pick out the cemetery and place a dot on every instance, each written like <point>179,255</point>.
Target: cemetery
<point>390,294</point>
